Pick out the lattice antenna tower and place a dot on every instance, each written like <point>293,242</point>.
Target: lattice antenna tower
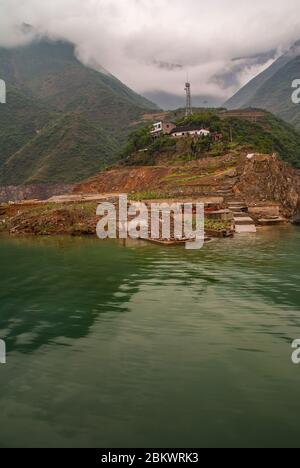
<point>188,108</point>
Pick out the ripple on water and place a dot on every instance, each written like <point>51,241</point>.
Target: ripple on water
<point>147,346</point>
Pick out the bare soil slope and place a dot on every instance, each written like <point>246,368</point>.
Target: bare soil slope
<point>259,179</point>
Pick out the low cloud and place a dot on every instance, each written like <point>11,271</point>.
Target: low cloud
<point>152,44</point>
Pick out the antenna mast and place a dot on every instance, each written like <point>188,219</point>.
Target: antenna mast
<point>188,110</point>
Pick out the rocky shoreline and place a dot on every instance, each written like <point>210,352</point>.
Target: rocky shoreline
<point>77,217</point>
<point>239,195</point>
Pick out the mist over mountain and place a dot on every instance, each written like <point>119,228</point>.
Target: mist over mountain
<point>272,89</point>
<point>170,101</point>
<point>62,120</point>
<point>150,45</point>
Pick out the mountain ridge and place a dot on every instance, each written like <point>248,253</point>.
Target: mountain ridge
<point>272,89</point>
<point>47,85</point>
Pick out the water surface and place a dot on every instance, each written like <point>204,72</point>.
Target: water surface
<point>143,346</point>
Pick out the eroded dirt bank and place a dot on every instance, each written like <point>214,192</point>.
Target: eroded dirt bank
<point>264,178</point>
<point>251,178</point>
<point>46,219</point>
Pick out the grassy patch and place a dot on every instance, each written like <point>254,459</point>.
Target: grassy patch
<point>153,195</point>
<point>216,225</point>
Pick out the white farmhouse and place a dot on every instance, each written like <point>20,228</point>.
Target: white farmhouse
<point>185,131</point>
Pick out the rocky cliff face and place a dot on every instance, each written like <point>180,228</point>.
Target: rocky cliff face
<point>29,192</point>
<point>264,178</point>
<point>252,178</point>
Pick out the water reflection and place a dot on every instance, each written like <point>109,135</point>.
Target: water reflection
<point>138,345</point>
<point>53,288</point>
<point>57,288</point>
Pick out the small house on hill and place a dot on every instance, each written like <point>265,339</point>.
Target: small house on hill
<point>185,131</point>
<point>162,128</point>
<point>216,136</point>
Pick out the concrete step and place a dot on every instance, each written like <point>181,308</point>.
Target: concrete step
<point>250,228</point>
<point>271,222</point>
<point>244,223</point>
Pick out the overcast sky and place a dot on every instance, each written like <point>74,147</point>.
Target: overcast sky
<point>152,44</point>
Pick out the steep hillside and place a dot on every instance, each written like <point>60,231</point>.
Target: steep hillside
<point>263,178</point>
<point>46,82</point>
<point>202,167</point>
<point>275,94</point>
<point>71,148</point>
<point>20,120</point>
<point>247,92</point>
<point>272,90</point>
<point>250,131</point>
<point>268,135</point>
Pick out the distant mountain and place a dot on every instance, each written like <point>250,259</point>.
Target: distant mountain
<point>62,120</point>
<point>169,101</point>
<point>272,89</point>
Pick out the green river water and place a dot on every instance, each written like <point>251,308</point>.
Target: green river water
<point>144,346</point>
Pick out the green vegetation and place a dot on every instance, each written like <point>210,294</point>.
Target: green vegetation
<point>271,135</point>
<point>215,225</point>
<point>267,135</point>
<point>179,179</point>
<point>20,120</point>
<point>137,140</point>
<point>141,141</point>
<point>205,119</point>
<point>70,147</point>
<point>46,85</point>
<point>63,122</point>
<point>271,90</point>
<point>151,195</point>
